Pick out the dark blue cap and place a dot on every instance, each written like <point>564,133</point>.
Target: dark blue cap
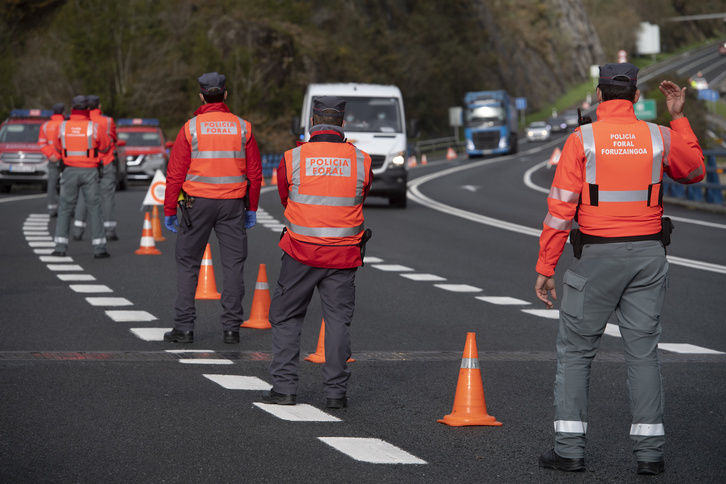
<point>79,102</point>
<point>93,101</point>
<point>623,74</point>
<point>58,108</point>
<point>329,106</point>
<point>212,83</point>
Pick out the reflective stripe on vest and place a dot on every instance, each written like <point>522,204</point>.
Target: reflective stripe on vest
<point>209,155</point>
<point>660,150</point>
<point>327,200</point>
<point>571,426</point>
<point>89,138</point>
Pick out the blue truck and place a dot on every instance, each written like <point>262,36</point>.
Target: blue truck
<point>490,120</point>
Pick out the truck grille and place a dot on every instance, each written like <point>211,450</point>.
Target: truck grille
<point>17,157</point>
<point>486,140</point>
<point>377,161</point>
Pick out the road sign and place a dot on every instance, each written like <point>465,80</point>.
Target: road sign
<point>520,103</point>
<point>708,95</point>
<point>645,109</point>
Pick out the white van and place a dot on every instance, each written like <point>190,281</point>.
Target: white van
<point>375,122</point>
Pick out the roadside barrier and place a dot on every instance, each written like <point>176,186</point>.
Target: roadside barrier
<point>147,245</point>
<point>260,312</point>
<point>469,405</point>
<point>207,286</point>
<point>709,191</point>
<point>319,355</point>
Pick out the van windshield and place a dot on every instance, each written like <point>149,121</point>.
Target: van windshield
<point>139,138</point>
<point>373,115</point>
<point>20,133</point>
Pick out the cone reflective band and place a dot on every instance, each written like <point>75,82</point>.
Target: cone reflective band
<point>260,312</point>
<point>469,404</point>
<point>147,246</point>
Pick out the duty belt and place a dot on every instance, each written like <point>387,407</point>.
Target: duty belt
<point>594,239</point>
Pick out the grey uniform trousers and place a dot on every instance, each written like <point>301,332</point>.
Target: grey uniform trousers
<point>227,218</point>
<point>629,278</point>
<point>74,181</point>
<point>294,290</point>
<point>107,191</point>
<point>52,190</point>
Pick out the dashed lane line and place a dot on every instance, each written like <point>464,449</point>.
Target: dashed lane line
<point>301,412</point>
<point>373,451</point>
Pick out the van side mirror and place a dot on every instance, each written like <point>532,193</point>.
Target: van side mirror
<point>295,128</point>
<point>413,128</point>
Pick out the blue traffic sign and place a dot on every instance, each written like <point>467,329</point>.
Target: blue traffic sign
<point>520,103</point>
<point>708,95</point>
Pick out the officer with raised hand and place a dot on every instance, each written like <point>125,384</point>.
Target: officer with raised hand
<point>81,143</point>
<point>215,175</point>
<point>322,186</point>
<point>107,188</point>
<point>48,133</point>
<point>610,175</point>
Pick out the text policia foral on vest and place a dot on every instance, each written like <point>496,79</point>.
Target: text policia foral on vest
<point>623,140</point>
<point>327,166</point>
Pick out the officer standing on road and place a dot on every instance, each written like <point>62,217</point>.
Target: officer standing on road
<point>609,178</point>
<point>48,133</point>
<point>322,185</point>
<point>107,184</point>
<point>215,168</point>
<point>81,143</point>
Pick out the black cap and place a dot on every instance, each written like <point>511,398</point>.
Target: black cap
<point>329,106</point>
<point>58,108</point>
<point>80,102</point>
<point>623,74</point>
<point>212,83</point>
<point>93,101</point>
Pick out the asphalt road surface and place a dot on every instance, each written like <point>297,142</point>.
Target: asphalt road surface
<point>90,393</point>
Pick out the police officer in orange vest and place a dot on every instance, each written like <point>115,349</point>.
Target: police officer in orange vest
<point>48,133</point>
<point>107,186</point>
<point>322,185</point>
<point>609,179</point>
<point>81,143</point>
<point>215,165</point>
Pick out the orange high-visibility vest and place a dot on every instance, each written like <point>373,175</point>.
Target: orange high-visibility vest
<point>104,124</point>
<point>326,192</point>
<point>219,161</point>
<point>623,176</point>
<point>79,140</point>
<point>49,132</point>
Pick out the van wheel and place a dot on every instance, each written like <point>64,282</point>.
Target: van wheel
<point>398,201</point>
<point>5,188</point>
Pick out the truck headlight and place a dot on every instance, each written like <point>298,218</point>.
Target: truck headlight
<point>398,160</point>
<point>470,145</point>
<point>502,142</point>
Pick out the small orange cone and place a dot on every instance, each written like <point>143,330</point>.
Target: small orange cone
<point>423,159</point>
<point>260,312</point>
<point>451,154</point>
<point>263,182</point>
<point>319,355</point>
<point>156,226</point>
<point>411,161</point>
<point>147,246</point>
<point>274,178</point>
<point>554,159</point>
<point>469,405</point>
<point>207,287</point>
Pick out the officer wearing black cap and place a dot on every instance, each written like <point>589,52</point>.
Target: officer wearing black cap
<point>107,186</point>
<point>81,143</point>
<point>610,176</point>
<point>326,176</point>
<point>215,175</point>
<point>48,132</point>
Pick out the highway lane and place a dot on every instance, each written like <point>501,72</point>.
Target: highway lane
<point>133,412</point>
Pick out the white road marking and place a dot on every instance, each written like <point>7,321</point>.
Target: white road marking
<point>41,244</point>
<point>458,287</point>
<point>43,251</point>
<point>76,277</point>
<point>374,451</point>
<point>150,334</point>
<point>109,301</point>
<point>504,301</point>
<point>297,413</point>
<point>613,330</point>
<point>65,267</point>
<point>90,288</point>
<point>33,237</point>
<point>543,313</point>
<point>54,258</point>
<point>207,361</point>
<point>687,349</point>
<point>239,382</point>
<point>121,316</point>
<point>423,277</point>
<point>391,267</point>
<point>372,260</point>
<point>188,351</point>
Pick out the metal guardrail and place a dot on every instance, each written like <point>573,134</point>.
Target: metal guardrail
<point>709,191</point>
<point>435,145</point>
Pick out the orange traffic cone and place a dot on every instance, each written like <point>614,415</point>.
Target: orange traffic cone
<point>451,154</point>
<point>469,405</point>
<point>274,178</point>
<point>147,246</point>
<point>263,182</point>
<point>411,161</point>
<point>207,287</point>
<point>319,355</point>
<point>156,225</point>
<point>423,159</point>
<point>554,159</point>
<point>260,312</point>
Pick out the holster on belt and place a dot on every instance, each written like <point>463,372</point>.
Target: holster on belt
<point>576,241</point>
<point>665,231</point>
<point>367,234</point>
<point>185,202</point>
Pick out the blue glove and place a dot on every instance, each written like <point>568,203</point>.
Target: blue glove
<point>250,219</point>
<point>171,222</point>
